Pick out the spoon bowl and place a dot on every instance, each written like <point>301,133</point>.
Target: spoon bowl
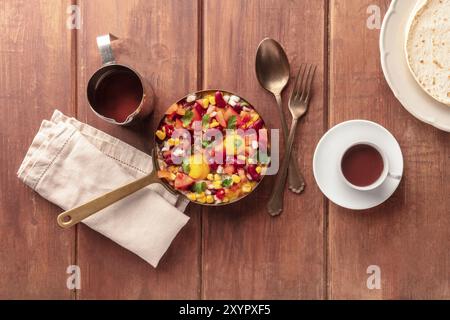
<point>272,66</point>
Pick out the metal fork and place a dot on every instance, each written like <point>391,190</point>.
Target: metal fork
<point>298,105</point>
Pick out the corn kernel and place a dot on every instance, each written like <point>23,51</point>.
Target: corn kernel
<point>258,169</point>
<point>171,142</point>
<point>225,199</point>
<point>235,178</point>
<point>232,196</point>
<point>160,134</point>
<point>246,187</point>
<point>191,196</point>
<point>205,103</point>
<point>202,199</point>
<point>213,124</point>
<point>217,184</point>
<point>200,195</point>
<point>255,117</point>
<point>210,177</point>
<point>217,177</point>
<point>212,100</point>
<point>176,141</point>
<point>209,199</point>
<point>172,176</point>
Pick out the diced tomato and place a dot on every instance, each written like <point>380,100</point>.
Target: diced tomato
<point>229,169</point>
<point>221,119</point>
<point>220,102</point>
<point>245,116</point>
<point>168,129</point>
<point>167,155</point>
<point>173,108</point>
<point>258,124</point>
<point>200,102</point>
<point>178,124</point>
<point>198,107</point>
<point>251,169</point>
<point>163,174</point>
<point>172,117</point>
<point>183,181</point>
<point>197,116</point>
<point>242,119</point>
<point>235,187</point>
<point>220,194</point>
<point>240,124</point>
<point>229,111</point>
<point>213,165</point>
<point>241,173</point>
<point>175,111</point>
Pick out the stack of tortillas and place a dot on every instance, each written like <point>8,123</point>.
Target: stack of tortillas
<point>428,48</point>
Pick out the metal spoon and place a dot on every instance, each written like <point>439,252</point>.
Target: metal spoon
<point>272,71</point>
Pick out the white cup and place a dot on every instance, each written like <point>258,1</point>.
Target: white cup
<point>383,176</point>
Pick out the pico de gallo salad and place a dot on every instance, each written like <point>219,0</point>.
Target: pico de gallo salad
<point>197,173</point>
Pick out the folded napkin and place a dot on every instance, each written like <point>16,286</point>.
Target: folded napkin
<point>70,163</point>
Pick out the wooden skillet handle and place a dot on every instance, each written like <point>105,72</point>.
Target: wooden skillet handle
<point>75,215</point>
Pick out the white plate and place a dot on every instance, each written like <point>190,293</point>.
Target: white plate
<point>396,70</point>
<point>327,156</point>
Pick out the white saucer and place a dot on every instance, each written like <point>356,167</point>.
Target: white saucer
<point>396,70</point>
<point>326,163</point>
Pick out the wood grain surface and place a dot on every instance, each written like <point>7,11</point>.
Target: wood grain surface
<point>407,236</point>
<point>314,250</point>
<point>247,254</point>
<point>35,78</point>
<point>159,39</point>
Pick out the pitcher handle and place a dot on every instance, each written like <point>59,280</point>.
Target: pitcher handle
<point>104,46</point>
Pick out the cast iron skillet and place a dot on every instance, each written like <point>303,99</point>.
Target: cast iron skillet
<point>76,215</point>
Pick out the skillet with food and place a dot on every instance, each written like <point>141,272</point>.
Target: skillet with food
<point>210,147</point>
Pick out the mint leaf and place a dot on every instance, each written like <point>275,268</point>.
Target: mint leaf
<point>227,182</point>
<point>199,187</point>
<point>205,121</point>
<point>206,143</point>
<point>187,117</point>
<point>232,122</point>
<point>186,166</point>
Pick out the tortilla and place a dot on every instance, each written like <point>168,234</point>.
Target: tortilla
<point>428,48</point>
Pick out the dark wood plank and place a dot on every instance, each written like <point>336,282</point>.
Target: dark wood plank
<point>246,253</point>
<point>408,236</point>
<point>159,39</point>
<point>35,78</point>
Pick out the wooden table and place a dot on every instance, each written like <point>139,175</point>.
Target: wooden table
<point>314,250</point>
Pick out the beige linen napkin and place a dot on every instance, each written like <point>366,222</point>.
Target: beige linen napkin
<point>70,163</point>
